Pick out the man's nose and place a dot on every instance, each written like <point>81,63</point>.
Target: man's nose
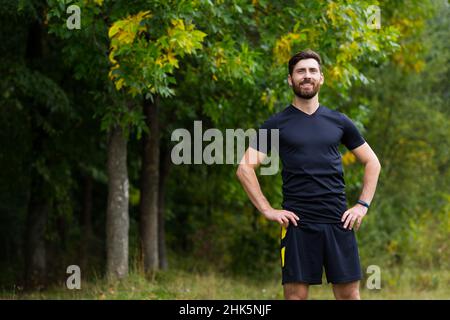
<point>307,75</point>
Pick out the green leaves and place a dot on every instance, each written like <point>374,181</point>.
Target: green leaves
<point>183,39</point>
<point>144,61</point>
<point>229,61</point>
<point>21,83</point>
<point>124,31</point>
<point>283,47</point>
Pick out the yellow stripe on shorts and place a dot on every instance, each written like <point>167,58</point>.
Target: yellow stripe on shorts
<point>282,256</point>
<point>283,232</point>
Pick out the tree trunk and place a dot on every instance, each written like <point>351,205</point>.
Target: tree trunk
<point>35,253</point>
<point>117,219</point>
<point>39,205</point>
<point>164,172</point>
<point>86,223</point>
<point>148,208</point>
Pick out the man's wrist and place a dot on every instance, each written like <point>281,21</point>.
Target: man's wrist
<point>266,210</point>
<point>363,203</point>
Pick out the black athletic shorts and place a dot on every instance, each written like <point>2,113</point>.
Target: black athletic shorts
<point>309,247</point>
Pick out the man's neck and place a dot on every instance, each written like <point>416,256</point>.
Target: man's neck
<point>308,106</point>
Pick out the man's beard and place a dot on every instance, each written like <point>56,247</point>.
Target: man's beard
<point>306,93</point>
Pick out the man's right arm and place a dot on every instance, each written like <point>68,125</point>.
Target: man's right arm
<point>246,174</point>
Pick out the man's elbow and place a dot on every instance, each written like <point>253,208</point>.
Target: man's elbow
<point>375,163</point>
<point>241,171</point>
<point>378,163</point>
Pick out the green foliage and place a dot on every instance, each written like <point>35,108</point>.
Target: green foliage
<point>428,235</point>
<point>145,65</point>
<point>225,63</point>
<point>408,130</point>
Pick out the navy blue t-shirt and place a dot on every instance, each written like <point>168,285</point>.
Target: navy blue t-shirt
<point>313,178</point>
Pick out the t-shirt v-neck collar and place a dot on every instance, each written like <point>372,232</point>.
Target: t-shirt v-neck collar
<point>304,113</point>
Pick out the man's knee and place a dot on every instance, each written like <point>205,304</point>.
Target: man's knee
<point>347,291</point>
<point>296,291</point>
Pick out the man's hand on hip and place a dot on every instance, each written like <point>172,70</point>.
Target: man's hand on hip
<point>354,215</point>
<point>283,217</point>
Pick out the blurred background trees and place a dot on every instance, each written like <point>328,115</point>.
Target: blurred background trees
<point>87,116</point>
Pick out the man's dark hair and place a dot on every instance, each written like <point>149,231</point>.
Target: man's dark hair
<point>305,54</point>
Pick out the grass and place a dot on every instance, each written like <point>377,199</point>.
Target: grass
<point>182,284</point>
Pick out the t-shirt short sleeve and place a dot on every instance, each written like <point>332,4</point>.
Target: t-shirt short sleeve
<point>262,141</point>
<point>351,137</point>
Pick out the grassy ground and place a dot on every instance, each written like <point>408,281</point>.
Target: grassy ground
<point>179,284</point>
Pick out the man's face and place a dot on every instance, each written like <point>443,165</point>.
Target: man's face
<point>306,78</point>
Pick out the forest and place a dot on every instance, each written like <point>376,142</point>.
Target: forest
<point>94,95</point>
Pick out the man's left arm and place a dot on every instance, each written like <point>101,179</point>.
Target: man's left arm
<point>372,167</point>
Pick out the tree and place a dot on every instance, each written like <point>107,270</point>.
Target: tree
<point>90,64</point>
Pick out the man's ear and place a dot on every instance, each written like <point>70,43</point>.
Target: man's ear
<point>322,78</point>
<point>289,80</point>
